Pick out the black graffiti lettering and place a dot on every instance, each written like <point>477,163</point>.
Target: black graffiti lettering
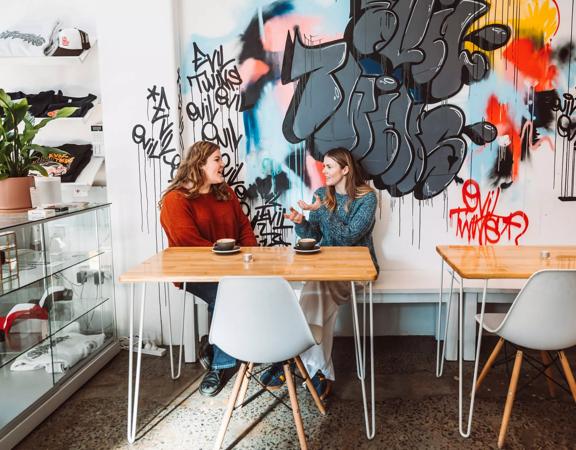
<point>231,173</point>
<point>152,94</point>
<point>217,75</point>
<point>201,58</point>
<point>225,137</point>
<point>138,134</point>
<point>160,108</point>
<point>166,133</point>
<point>223,98</point>
<point>233,77</point>
<point>566,122</point>
<point>206,112</point>
<point>173,163</point>
<point>204,82</point>
<point>139,137</point>
<point>566,126</point>
<point>374,89</point>
<point>268,221</point>
<point>566,129</point>
<point>151,148</point>
<point>217,81</point>
<point>158,148</point>
<point>568,107</point>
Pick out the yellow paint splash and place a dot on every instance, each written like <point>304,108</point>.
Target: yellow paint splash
<point>538,16</point>
<point>526,19</point>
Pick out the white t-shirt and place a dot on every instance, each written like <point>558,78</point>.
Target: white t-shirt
<point>28,38</point>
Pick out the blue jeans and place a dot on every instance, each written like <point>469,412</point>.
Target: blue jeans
<point>207,292</point>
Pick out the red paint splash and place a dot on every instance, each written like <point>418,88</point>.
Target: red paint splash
<point>476,219</point>
<point>497,113</point>
<point>532,63</point>
<point>314,171</point>
<point>252,70</point>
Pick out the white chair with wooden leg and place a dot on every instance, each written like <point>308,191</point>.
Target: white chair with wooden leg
<point>259,320</point>
<point>542,317</point>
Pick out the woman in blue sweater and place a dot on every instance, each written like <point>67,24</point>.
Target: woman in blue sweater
<point>342,214</point>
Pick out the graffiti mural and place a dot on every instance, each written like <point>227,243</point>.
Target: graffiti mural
<point>451,97</point>
<point>372,89</point>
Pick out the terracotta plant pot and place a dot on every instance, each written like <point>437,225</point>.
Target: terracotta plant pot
<point>15,193</point>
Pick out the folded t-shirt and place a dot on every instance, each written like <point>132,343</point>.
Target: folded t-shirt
<point>60,354</point>
<point>68,167</point>
<point>47,103</point>
<point>28,38</point>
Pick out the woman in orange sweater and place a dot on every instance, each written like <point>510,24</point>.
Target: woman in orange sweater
<point>197,209</point>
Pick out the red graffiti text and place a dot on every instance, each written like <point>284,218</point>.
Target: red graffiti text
<point>477,220</point>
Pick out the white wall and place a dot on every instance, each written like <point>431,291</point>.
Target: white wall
<point>137,53</point>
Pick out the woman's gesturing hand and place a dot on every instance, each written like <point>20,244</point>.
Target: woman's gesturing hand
<point>313,207</point>
<point>294,216</point>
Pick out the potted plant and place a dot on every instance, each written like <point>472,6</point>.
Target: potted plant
<point>18,155</point>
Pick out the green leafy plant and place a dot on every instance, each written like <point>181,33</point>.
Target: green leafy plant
<point>18,155</point>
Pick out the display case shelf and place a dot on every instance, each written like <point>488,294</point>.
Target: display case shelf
<point>33,270</point>
<point>11,349</point>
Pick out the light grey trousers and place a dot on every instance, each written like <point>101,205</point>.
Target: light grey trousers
<point>320,301</point>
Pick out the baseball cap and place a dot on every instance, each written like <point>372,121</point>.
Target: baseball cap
<point>71,42</point>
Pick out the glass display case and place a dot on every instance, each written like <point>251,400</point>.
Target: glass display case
<point>56,304</point>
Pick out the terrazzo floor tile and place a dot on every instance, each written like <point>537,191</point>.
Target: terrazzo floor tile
<point>415,410</point>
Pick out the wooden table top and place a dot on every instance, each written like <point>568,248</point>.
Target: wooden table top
<point>197,264</point>
<point>506,261</point>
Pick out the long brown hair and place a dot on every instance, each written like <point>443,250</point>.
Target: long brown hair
<point>190,176</point>
<point>356,185</point>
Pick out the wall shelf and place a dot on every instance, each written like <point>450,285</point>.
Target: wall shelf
<point>48,60</point>
<point>87,176</point>
<point>94,115</point>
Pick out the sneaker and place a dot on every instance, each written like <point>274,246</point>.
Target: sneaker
<point>322,385</point>
<point>273,377</point>
<point>213,382</point>
<point>205,353</point>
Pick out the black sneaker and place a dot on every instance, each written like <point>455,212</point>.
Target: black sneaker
<point>213,382</point>
<point>205,353</point>
<point>322,385</point>
<point>273,377</point>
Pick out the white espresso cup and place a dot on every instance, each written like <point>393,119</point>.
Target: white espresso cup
<point>225,244</point>
<point>306,243</point>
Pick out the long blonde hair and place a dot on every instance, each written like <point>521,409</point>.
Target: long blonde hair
<point>190,176</point>
<point>356,185</point>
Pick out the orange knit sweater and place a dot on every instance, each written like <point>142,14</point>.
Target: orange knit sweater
<point>201,221</point>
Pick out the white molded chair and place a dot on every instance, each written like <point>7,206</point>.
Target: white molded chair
<point>542,317</point>
<point>259,320</point>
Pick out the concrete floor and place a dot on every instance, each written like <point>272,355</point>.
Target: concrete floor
<point>415,410</point>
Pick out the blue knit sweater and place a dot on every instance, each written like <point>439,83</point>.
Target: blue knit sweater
<point>352,227</point>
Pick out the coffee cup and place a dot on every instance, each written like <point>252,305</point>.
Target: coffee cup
<point>225,244</point>
<point>306,243</point>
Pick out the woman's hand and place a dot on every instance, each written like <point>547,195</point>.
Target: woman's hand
<point>313,207</point>
<point>294,216</point>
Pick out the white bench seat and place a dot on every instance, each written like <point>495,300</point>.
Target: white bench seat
<point>417,287</point>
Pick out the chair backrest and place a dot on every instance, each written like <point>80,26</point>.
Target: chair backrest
<point>259,319</point>
<point>543,315</point>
